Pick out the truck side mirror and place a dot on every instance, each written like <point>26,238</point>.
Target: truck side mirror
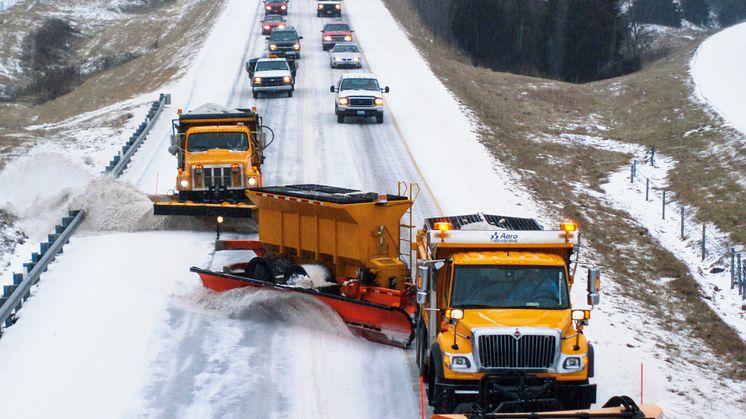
<point>300,37</point>
<point>331,88</point>
<point>423,276</point>
<point>174,148</point>
<point>386,89</point>
<point>594,286</point>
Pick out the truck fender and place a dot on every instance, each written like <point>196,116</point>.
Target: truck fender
<point>591,361</point>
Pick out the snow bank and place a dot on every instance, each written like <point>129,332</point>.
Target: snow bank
<point>717,70</point>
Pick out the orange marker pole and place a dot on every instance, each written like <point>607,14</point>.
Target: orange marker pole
<point>422,396</point>
<point>642,383</point>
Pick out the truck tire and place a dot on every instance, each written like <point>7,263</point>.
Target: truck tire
<point>295,270</point>
<point>379,118</point>
<point>260,268</point>
<point>255,94</point>
<point>340,118</point>
<point>290,93</point>
<point>421,345</point>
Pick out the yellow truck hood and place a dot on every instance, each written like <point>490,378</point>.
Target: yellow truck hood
<point>551,319</point>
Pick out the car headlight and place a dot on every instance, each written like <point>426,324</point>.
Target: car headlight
<point>321,6</point>
<point>296,47</point>
<point>286,79</point>
<point>327,38</point>
<point>257,80</point>
<point>252,181</point>
<point>268,7</point>
<point>266,27</point>
<point>344,101</point>
<point>283,7</point>
<point>337,58</point>
<point>184,183</point>
<point>338,6</point>
<point>348,38</point>
<point>281,26</point>
<point>355,59</point>
<point>572,363</point>
<point>272,47</point>
<point>379,101</point>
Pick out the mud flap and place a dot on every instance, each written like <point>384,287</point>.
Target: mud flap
<point>376,322</point>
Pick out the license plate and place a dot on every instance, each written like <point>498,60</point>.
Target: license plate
<point>361,112</point>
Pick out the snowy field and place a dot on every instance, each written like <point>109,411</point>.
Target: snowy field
<point>118,318</point>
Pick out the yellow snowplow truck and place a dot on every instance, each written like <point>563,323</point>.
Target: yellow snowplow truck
<point>219,153</point>
<point>495,324</point>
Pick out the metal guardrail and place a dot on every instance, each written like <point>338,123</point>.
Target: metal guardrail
<point>14,295</point>
<point>119,163</point>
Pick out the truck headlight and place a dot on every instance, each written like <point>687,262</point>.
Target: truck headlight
<point>460,363</point>
<point>296,47</point>
<point>321,6</point>
<point>257,80</point>
<point>572,363</point>
<point>379,101</point>
<point>344,101</point>
<point>272,47</point>
<point>283,7</point>
<point>184,183</point>
<point>266,27</point>
<point>348,38</point>
<point>286,79</point>
<point>251,180</point>
<point>327,38</point>
<point>338,6</point>
<point>268,7</point>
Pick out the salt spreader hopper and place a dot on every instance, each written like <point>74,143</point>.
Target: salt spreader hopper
<point>355,235</point>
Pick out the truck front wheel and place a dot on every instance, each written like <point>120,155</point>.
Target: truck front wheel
<point>255,94</point>
<point>340,117</point>
<point>379,118</point>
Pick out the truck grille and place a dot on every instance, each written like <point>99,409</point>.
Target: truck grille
<point>216,176</point>
<point>361,101</point>
<point>338,37</point>
<point>524,352</point>
<point>271,81</point>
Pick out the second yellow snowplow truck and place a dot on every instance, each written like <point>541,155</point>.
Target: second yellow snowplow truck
<point>219,154</point>
<point>495,324</point>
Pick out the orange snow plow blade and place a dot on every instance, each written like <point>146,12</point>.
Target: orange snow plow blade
<point>376,322</point>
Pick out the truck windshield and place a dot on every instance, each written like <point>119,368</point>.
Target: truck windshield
<point>271,65</point>
<point>359,84</point>
<point>509,287</point>
<point>336,27</point>
<point>283,36</point>
<point>223,140</point>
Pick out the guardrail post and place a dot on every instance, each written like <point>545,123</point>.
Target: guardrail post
<point>647,189</point>
<point>682,223</point>
<point>704,238</point>
<point>740,276</point>
<point>732,267</point>
<point>652,156</point>
<point>664,205</point>
<point>632,169</point>
<point>17,278</point>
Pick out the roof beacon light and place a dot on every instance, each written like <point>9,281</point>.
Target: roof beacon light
<point>382,199</point>
<point>569,227</point>
<point>443,227</point>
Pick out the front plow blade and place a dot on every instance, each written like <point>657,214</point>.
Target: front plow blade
<point>375,322</point>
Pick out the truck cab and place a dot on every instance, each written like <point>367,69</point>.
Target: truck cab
<point>219,153</point>
<point>358,95</point>
<point>496,322</point>
<point>284,43</point>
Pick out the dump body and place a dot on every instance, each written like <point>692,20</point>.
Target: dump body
<point>509,281</point>
<point>219,153</point>
<point>350,232</point>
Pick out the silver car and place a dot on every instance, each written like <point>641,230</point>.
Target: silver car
<point>345,54</point>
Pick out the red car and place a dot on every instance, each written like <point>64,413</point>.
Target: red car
<point>335,32</point>
<point>277,7</point>
<point>271,22</point>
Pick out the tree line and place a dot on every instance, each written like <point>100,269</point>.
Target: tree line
<point>572,40</point>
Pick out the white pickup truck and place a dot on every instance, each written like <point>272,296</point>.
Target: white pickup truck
<point>271,75</point>
<point>358,95</point>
